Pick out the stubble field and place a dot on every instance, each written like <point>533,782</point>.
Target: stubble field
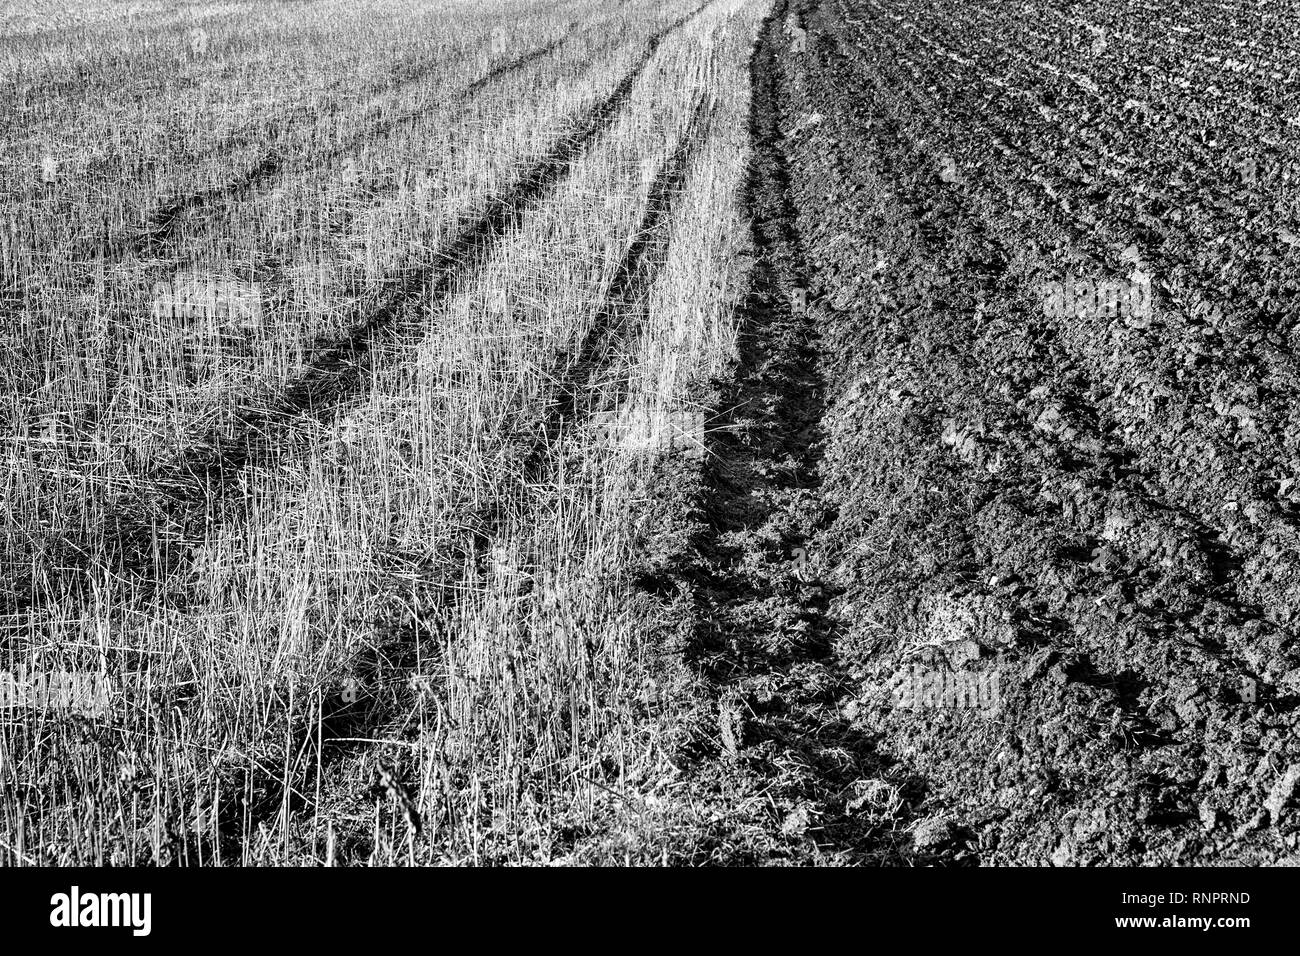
<point>672,431</point>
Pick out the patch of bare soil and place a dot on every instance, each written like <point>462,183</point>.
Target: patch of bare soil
<point>975,581</point>
<point>782,773</point>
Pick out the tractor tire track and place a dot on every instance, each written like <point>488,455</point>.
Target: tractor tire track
<point>761,633</point>
<point>617,324</point>
<point>163,223</point>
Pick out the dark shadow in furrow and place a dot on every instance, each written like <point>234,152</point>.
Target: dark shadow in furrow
<point>765,453</point>
<point>163,223</point>
<point>518,63</point>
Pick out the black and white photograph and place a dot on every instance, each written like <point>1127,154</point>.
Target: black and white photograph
<point>641,434</point>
